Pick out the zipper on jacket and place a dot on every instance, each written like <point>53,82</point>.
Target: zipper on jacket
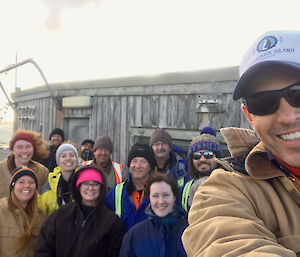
<point>84,221</point>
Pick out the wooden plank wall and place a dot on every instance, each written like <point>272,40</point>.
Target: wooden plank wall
<point>116,111</point>
<point>36,114</point>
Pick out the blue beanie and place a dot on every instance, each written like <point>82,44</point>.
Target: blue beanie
<point>206,141</point>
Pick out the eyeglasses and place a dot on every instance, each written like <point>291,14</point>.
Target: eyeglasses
<point>206,155</point>
<point>86,185</point>
<point>267,102</point>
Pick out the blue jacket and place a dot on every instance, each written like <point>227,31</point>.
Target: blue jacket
<point>179,169</point>
<point>159,237</point>
<point>128,213</point>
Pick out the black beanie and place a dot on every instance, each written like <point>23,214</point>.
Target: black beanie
<point>141,150</point>
<point>58,131</point>
<point>19,172</point>
<point>88,141</point>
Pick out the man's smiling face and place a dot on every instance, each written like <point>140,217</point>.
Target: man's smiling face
<point>279,131</point>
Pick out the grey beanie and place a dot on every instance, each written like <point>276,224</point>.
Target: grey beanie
<point>65,147</point>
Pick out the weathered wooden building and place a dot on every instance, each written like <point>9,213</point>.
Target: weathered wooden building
<point>129,109</point>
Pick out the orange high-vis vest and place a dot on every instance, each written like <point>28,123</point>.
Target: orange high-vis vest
<point>117,168</point>
<point>86,163</point>
<point>118,171</point>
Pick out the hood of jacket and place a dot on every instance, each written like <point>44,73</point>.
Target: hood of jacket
<point>239,141</point>
<point>76,193</point>
<point>244,142</point>
<point>54,177</point>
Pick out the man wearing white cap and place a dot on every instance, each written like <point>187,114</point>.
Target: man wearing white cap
<point>255,211</point>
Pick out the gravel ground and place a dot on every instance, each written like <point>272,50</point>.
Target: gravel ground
<point>4,152</point>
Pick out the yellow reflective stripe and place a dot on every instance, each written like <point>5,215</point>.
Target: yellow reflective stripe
<point>180,182</point>
<point>118,200</point>
<point>185,194</point>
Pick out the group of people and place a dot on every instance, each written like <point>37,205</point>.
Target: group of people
<point>66,201</point>
<point>81,203</point>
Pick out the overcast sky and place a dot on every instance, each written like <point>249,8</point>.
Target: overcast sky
<point>93,39</point>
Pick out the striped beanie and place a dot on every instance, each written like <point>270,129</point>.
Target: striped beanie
<point>206,141</point>
<point>19,172</point>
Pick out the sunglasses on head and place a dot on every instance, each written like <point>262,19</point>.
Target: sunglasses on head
<point>267,102</point>
<point>206,155</point>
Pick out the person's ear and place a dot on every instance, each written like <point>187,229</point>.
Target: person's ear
<point>247,114</point>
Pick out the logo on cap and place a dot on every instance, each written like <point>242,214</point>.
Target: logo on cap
<point>266,43</point>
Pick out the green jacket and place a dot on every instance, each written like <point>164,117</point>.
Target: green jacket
<point>48,197</point>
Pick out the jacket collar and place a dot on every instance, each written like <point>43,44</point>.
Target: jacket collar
<point>258,164</point>
<point>11,163</point>
<point>245,142</point>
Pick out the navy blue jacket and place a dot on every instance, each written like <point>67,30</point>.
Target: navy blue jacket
<point>179,167</point>
<point>129,214</point>
<point>159,237</point>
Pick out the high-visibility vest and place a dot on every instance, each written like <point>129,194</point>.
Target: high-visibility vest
<point>180,175</point>
<point>118,198</point>
<point>118,171</point>
<point>86,163</point>
<point>180,182</point>
<point>185,195</point>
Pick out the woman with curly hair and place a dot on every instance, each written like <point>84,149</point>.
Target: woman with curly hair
<point>20,216</point>
<point>27,148</point>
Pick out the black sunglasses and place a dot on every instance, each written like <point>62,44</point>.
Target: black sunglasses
<point>206,155</point>
<point>267,102</point>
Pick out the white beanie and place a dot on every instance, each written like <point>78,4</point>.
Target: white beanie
<point>65,147</point>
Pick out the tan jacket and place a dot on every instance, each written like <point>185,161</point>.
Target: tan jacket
<point>239,215</point>
<point>6,171</point>
<point>10,232</point>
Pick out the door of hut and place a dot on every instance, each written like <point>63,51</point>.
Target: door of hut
<point>77,129</point>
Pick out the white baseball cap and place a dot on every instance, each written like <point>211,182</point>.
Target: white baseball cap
<point>274,48</point>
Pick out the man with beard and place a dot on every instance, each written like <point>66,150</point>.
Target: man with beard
<point>86,152</point>
<point>202,160</point>
<point>256,212</point>
<point>167,160</point>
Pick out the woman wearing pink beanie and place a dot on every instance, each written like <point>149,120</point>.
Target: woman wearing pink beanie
<point>88,227</point>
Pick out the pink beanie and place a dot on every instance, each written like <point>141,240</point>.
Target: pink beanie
<point>89,175</point>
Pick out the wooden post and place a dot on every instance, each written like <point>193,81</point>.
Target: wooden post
<point>58,118</point>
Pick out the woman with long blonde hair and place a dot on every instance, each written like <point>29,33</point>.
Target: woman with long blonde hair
<point>20,216</point>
